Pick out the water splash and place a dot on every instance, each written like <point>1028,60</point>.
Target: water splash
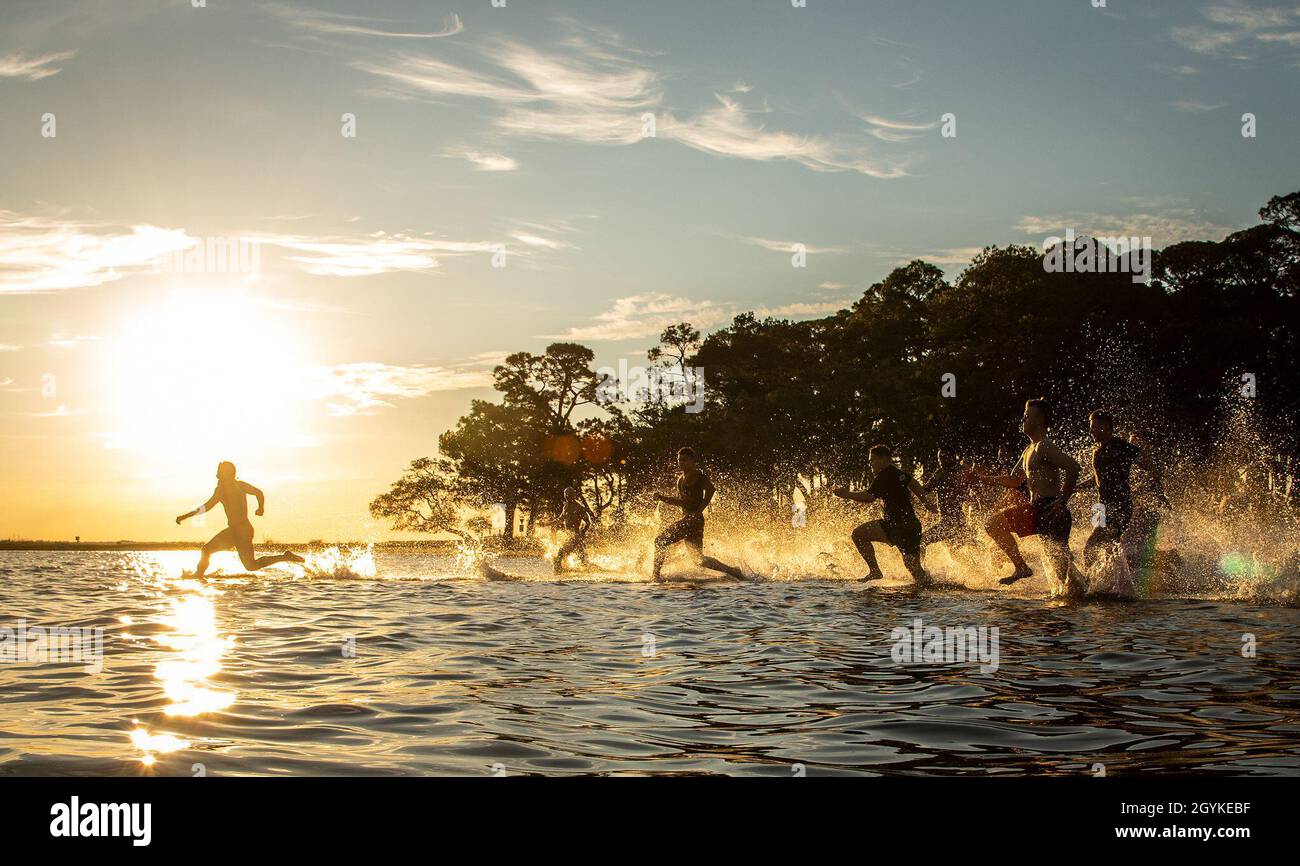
<point>341,562</point>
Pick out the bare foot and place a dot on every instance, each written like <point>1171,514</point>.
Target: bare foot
<point>1018,575</point>
<point>290,556</point>
<point>873,575</point>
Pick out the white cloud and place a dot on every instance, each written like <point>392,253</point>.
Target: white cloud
<point>1235,29</point>
<point>598,92</point>
<point>1169,227</point>
<point>61,412</point>
<point>951,256</point>
<point>32,68</point>
<point>377,253</point>
<point>729,130</point>
<point>486,161</point>
<point>360,388</point>
<point>789,246</point>
<point>40,254</point>
<point>319,22</point>
<point>896,130</point>
<point>533,240</point>
<point>1192,106</point>
<point>645,316</point>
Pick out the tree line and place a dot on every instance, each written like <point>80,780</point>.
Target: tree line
<point>918,362</point>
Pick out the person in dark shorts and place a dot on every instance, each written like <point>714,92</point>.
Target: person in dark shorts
<point>1047,513</point>
<point>577,520</point>
<point>948,487</point>
<point>694,493</point>
<point>900,527</point>
<point>1112,465</point>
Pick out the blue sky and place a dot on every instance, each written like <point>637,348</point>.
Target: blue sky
<point>481,129</point>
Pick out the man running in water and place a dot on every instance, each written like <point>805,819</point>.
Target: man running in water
<point>1112,466</point>
<point>901,528</point>
<point>947,486</point>
<point>1047,513</point>
<point>577,519</point>
<point>238,535</point>
<point>694,493</point>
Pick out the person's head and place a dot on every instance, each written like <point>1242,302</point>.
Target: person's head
<point>880,457</point>
<point>944,459</point>
<point>1101,425</point>
<point>687,459</point>
<point>570,494</point>
<point>1037,417</point>
<point>225,471</point>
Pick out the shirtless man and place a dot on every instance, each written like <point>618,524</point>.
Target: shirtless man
<point>895,489</point>
<point>1112,465</point>
<point>577,519</point>
<point>694,493</point>
<point>1047,513</point>
<point>238,535</point>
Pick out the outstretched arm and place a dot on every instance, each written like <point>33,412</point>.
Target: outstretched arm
<point>922,494</point>
<point>1013,480</point>
<point>202,509</point>
<point>845,493</point>
<point>261,497</point>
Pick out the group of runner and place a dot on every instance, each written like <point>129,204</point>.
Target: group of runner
<point>1036,502</point>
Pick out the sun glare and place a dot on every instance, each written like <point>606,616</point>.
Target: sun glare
<point>204,376</point>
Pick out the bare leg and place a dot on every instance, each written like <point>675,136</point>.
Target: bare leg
<point>999,529</point>
<point>254,563</point>
<point>1058,554</point>
<point>223,540</point>
<point>563,553</point>
<point>715,565</point>
<point>679,531</point>
<point>863,538</point>
<point>264,561</point>
<point>914,568</point>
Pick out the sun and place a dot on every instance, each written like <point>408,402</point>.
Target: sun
<point>204,376</point>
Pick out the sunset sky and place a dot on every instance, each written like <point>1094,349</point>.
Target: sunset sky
<point>376,312</point>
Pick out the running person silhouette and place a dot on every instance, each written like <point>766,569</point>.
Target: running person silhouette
<point>238,535</point>
<point>694,493</point>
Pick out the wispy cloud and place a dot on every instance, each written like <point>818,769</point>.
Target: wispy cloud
<point>645,316</point>
<point>42,254</point>
<point>337,24</point>
<point>366,255</point>
<point>61,412</point>
<point>1192,106</point>
<point>886,129</point>
<point>597,91</point>
<point>791,246</point>
<point>1169,227</point>
<point>486,161</point>
<point>32,68</point>
<point>1236,29</point>
<point>730,130</point>
<point>950,256</point>
<point>361,388</point>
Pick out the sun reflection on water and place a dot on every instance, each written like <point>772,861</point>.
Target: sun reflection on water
<point>194,647</point>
